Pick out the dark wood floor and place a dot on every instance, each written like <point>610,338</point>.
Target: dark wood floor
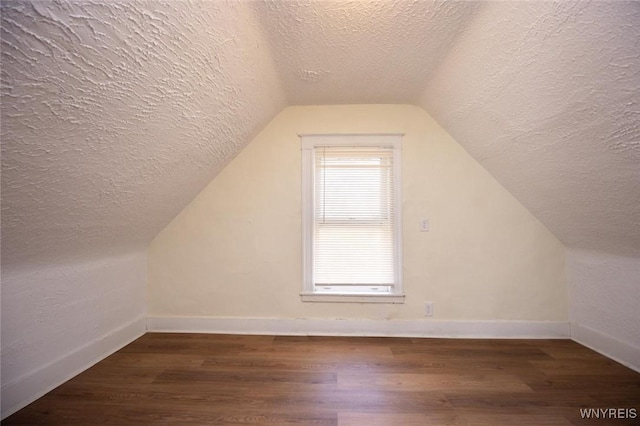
<point>228,380</point>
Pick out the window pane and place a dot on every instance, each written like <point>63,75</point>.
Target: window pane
<point>354,220</point>
<point>349,194</point>
<point>353,255</point>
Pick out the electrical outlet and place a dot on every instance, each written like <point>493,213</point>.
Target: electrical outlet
<point>428,309</point>
<point>424,224</point>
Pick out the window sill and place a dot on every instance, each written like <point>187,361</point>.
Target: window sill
<point>352,298</point>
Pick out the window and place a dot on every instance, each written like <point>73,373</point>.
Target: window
<point>352,218</point>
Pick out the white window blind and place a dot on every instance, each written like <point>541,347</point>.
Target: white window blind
<point>354,241</point>
<point>351,218</point>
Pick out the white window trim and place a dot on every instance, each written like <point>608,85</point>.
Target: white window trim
<point>308,143</point>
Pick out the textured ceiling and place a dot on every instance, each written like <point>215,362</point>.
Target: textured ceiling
<point>116,114</point>
<point>360,52</point>
<point>546,96</point>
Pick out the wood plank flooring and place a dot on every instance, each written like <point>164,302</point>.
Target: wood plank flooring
<point>172,379</point>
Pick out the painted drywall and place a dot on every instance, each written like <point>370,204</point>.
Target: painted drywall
<point>235,251</point>
<point>59,320</point>
<point>604,295</point>
<point>115,114</point>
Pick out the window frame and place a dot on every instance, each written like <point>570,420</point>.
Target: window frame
<point>309,142</point>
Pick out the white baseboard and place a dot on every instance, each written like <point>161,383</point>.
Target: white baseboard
<point>622,352</point>
<point>28,388</point>
<point>31,386</point>
<point>362,327</point>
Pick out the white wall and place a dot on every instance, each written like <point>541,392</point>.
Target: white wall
<point>59,320</point>
<point>235,250</point>
<point>604,294</point>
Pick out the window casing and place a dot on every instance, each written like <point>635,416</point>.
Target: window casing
<point>352,218</point>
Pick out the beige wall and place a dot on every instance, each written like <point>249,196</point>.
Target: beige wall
<point>235,250</point>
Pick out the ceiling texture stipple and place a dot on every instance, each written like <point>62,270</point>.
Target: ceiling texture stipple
<point>116,114</point>
<point>351,52</point>
<point>546,96</point>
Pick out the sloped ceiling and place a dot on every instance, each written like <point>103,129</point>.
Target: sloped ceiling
<point>116,114</point>
<point>547,97</point>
